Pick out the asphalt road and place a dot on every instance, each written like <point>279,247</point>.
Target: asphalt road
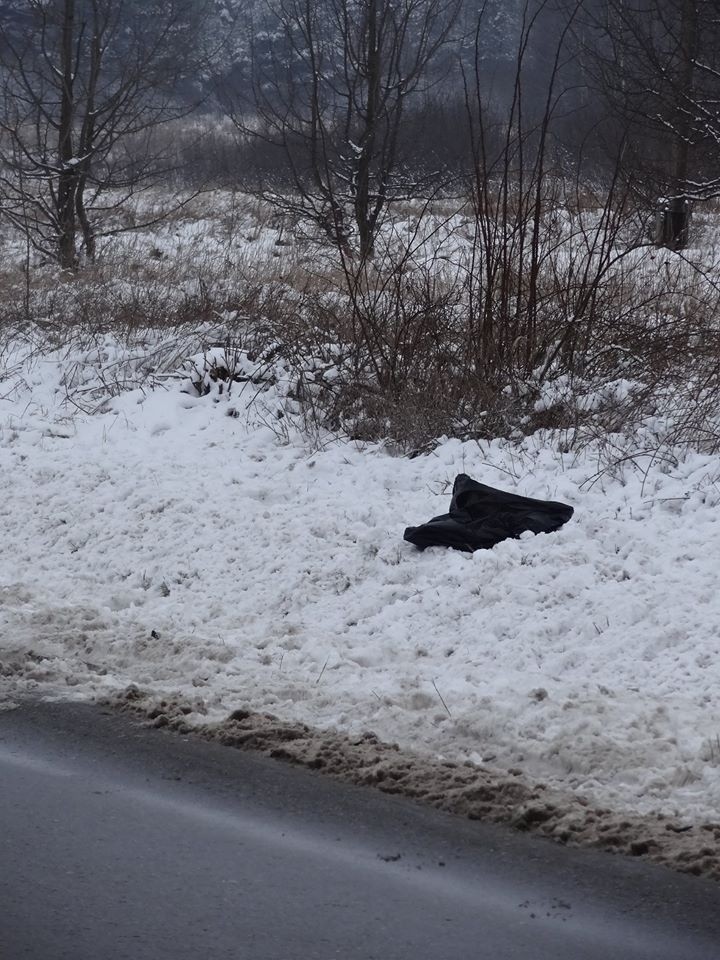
<point>119,841</point>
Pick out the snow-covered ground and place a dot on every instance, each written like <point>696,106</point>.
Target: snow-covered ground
<point>161,541</point>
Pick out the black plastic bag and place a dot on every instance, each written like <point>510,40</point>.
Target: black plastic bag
<point>482,516</point>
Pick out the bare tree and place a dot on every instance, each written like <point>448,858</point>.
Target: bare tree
<point>657,63</point>
<point>331,96</point>
<point>546,242</point>
<point>84,85</point>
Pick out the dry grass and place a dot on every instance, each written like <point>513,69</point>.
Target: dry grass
<point>421,342</point>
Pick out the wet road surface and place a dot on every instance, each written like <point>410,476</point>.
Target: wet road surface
<point>118,841</point>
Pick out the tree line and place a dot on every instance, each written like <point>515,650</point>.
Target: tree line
<point>341,108</point>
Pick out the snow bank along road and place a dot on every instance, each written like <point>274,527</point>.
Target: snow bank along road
<point>153,539</point>
<point>125,842</point>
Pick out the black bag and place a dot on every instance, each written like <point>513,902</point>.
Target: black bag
<point>482,516</point>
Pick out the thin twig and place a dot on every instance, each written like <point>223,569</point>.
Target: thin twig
<point>322,671</point>
<point>441,699</point>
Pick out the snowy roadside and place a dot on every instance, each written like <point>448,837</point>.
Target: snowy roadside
<point>477,792</point>
<point>221,560</point>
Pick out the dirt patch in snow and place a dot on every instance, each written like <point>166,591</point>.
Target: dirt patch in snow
<point>479,793</point>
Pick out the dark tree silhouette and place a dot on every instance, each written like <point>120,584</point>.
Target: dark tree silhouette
<point>657,64</point>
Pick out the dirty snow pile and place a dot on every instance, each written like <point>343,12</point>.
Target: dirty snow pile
<point>201,546</point>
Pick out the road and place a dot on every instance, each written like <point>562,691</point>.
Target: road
<point>120,841</point>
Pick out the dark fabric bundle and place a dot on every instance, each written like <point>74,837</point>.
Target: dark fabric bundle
<point>482,516</point>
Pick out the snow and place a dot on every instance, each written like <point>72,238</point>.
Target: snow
<point>151,538</point>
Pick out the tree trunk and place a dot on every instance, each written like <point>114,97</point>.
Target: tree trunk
<point>676,221</point>
<point>89,242</point>
<point>67,179</point>
<point>367,142</point>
